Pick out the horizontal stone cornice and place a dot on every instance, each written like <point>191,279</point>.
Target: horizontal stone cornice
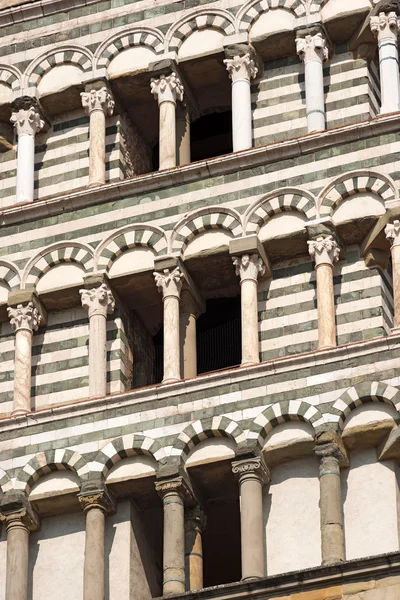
<point>234,162</point>
<point>160,393</point>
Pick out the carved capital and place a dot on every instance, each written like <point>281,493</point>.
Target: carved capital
<point>101,499</point>
<point>98,301</point>
<point>26,117</point>
<point>195,519</point>
<point>24,317</point>
<point>331,452</point>
<point>248,266</point>
<point>392,232</point>
<point>312,47</point>
<point>168,88</point>
<point>241,67</point>
<point>251,468</point>
<point>324,250</point>
<point>385,26</point>
<point>166,488</point>
<point>98,100</point>
<point>17,513</point>
<point>168,282</point>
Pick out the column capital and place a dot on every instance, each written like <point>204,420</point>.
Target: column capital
<point>169,282</point>
<point>324,250</point>
<point>385,26</point>
<point>26,116</point>
<point>312,47</point>
<point>331,452</point>
<point>241,67</point>
<point>167,88</point>
<point>24,317</point>
<point>392,232</point>
<point>100,99</point>
<point>97,498</point>
<point>195,518</point>
<point>18,513</point>
<point>174,485</point>
<point>251,468</point>
<point>248,266</point>
<point>98,301</point>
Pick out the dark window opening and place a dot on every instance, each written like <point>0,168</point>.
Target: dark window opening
<point>158,365</point>
<point>211,136</point>
<point>219,335</point>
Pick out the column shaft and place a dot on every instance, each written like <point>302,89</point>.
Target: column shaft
<point>315,98</point>
<point>241,115</point>
<point>97,148</point>
<point>386,27</point>
<point>25,168</point>
<point>22,371</point>
<point>97,355</point>
<point>194,559</point>
<point>332,537</point>
<point>183,137</point>
<point>188,356</point>
<point>93,575</point>
<point>171,339</point>
<point>325,306</point>
<point>167,135</point>
<point>17,560</point>
<point>395,252</point>
<point>248,291</point>
<point>174,545</point>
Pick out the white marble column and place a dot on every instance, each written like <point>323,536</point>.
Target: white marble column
<point>169,283</point>
<point>249,267</point>
<point>386,29</point>
<point>252,474</point>
<point>325,252</point>
<point>392,232</point>
<point>100,302</point>
<point>313,51</point>
<point>27,121</point>
<point>241,70</point>
<point>188,337</point>
<point>98,104</point>
<point>24,319</point>
<point>167,90</point>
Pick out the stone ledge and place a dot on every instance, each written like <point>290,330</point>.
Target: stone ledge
<point>236,161</point>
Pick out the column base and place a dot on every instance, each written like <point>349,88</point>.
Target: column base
<point>327,347</point>
<point>249,363</point>
<point>19,412</point>
<point>93,184</point>
<point>170,380</point>
<point>394,330</point>
<point>252,578</point>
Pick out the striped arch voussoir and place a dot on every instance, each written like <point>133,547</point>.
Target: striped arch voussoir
<point>362,393</point>
<point>331,197</point>
<point>46,462</point>
<point>5,482</point>
<point>126,239</point>
<point>10,275</point>
<point>285,201</point>
<point>123,447</point>
<point>252,10</point>
<point>70,55</point>
<point>280,412</point>
<point>203,429</point>
<point>199,20</point>
<point>206,221</point>
<point>130,38</point>
<point>10,77</point>
<point>78,254</point>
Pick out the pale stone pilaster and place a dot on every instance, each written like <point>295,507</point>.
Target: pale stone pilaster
<point>252,474</point>
<point>98,104</point>
<point>95,504</point>
<point>330,452</point>
<point>100,302</point>
<point>167,90</point>
<point>386,28</point>
<point>249,267</point>
<point>173,493</point>
<point>313,52</point>
<point>325,252</point>
<point>392,232</point>
<point>195,522</point>
<point>20,520</point>
<point>27,120</point>
<point>241,70</point>
<point>24,319</point>
<point>169,283</point>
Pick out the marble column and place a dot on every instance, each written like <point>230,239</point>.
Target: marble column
<point>188,340</point>
<point>28,121</point>
<point>183,135</point>
<point>20,520</point>
<point>313,52</point>
<point>392,231</point>
<point>99,302</point>
<point>96,504</point>
<point>24,319</point>
<point>167,90</point>
<point>386,28</point>
<point>195,522</point>
<point>169,283</point>
<point>249,267</point>
<point>330,454</point>
<point>98,104</point>
<point>252,474</point>
<point>173,493</point>
<point>241,70</point>
<point>325,252</point>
